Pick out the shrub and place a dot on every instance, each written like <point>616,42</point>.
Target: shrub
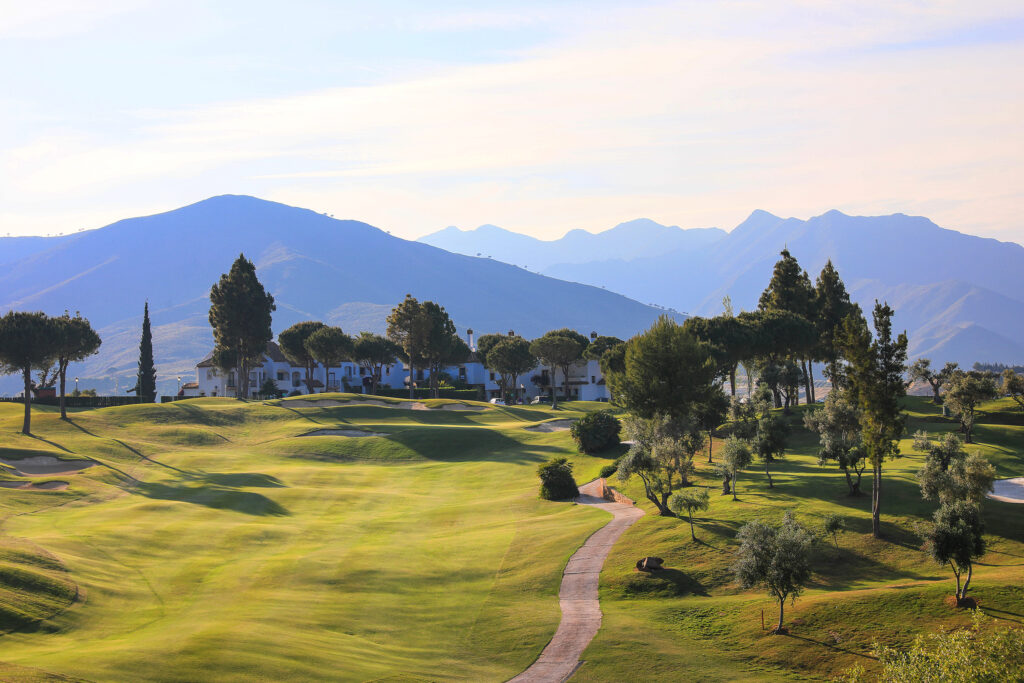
<point>596,432</point>
<point>556,480</point>
<point>608,470</point>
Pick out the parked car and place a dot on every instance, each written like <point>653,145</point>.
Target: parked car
<point>541,399</point>
<point>497,401</point>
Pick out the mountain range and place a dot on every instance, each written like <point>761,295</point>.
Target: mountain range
<point>344,272</point>
<point>960,297</point>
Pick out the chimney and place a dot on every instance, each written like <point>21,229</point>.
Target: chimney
<point>593,336</point>
<point>469,339</point>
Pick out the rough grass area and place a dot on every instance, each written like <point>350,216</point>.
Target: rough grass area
<point>692,622</point>
<point>212,541</point>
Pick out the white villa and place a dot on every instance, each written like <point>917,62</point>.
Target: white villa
<point>585,380</point>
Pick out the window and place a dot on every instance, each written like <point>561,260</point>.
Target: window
<point>231,379</point>
<point>332,381</point>
<point>282,376</point>
<point>492,376</point>
<point>295,379</point>
<point>593,380</point>
<point>348,371</point>
<point>209,374</point>
<point>252,379</point>
<point>362,371</point>
<point>462,373</point>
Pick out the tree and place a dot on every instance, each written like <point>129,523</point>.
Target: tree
<point>75,341</point>
<point>566,360</point>
<point>735,457</point>
<point>556,480</point>
<point>833,525</point>
<point>510,358</point>
<point>329,345</point>
<point>240,314</point>
<point>770,441</point>
<point>776,557</point>
<point>921,371</point>
<point>689,500</point>
<point>949,473</point>
<point>790,290</point>
<point>777,337</point>
<point>597,431</point>
<point>832,306</point>
<point>597,347</point>
<point>373,352</point>
<point>875,377</point>
<point>145,385</point>
<point>293,345</point>
<point>955,538</point>
<point>409,328</point>
<point>710,413</point>
<point>730,340</point>
<point>1013,386</point>
<point>661,455</point>
<point>837,424</point>
<point>556,350</point>
<point>442,347</point>
<point>666,371</point>
<point>965,392</point>
<point>983,653</point>
<point>27,341</point>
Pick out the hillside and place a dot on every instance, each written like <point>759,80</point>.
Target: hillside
<point>626,241</point>
<point>944,281</point>
<point>342,271</point>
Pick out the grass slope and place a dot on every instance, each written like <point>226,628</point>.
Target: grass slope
<point>212,541</point>
<point>691,622</point>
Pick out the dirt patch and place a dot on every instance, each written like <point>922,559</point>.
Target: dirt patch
<point>1008,490</point>
<point>46,464</point>
<point>32,486</point>
<point>342,432</point>
<point>553,426</point>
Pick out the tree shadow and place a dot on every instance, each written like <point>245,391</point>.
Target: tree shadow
<point>51,443</point>
<point>214,496</point>
<point>831,646</point>
<point>664,582</point>
<point>1002,614</point>
<point>241,479</point>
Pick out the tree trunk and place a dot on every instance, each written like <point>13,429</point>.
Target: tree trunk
<point>782,609</point>
<point>554,394</point>
<point>26,427</point>
<point>735,477</point>
<point>412,378</point>
<point>770,484</point>
<point>726,488</point>
<point>709,445</point>
<point>936,399</point>
<point>565,370</point>
<point>956,573</point>
<point>692,535</point>
<point>807,384</point>
<point>876,502</point>
<point>967,583</point>
<point>810,372</point>
<point>63,378</point>
<point>732,380</point>
<point>849,480</point>
<point>855,491</point>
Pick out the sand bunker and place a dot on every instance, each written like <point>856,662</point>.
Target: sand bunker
<point>1008,490</point>
<point>45,465</point>
<point>553,426</point>
<point>342,432</point>
<point>407,405</point>
<point>31,486</point>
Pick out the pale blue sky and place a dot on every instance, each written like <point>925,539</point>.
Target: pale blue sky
<point>537,116</point>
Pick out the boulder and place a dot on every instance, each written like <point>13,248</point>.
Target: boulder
<point>650,564</point>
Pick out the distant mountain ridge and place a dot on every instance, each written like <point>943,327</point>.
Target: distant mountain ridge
<point>629,240</point>
<point>341,271</point>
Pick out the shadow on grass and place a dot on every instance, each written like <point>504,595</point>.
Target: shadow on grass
<point>665,582</point>
<point>214,496</point>
<point>52,443</point>
<point>830,646</point>
<point>1002,614</point>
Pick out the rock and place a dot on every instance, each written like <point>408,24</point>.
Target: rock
<point>650,564</point>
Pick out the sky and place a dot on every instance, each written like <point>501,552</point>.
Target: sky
<point>540,117</point>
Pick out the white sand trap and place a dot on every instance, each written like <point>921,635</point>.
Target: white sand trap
<point>342,432</point>
<point>334,403</point>
<point>1008,490</point>
<point>30,486</point>
<point>553,426</point>
<point>46,464</point>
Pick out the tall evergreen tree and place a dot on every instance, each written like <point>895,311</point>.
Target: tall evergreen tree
<point>409,328</point>
<point>145,384</point>
<point>240,314</point>
<point>790,290</point>
<point>875,377</point>
<point>833,305</point>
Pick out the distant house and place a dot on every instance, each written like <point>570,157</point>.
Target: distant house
<point>585,380</point>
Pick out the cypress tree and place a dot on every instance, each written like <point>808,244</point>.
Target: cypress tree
<point>145,387</point>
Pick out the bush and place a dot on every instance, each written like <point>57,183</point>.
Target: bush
<point>596,432</point>
<point>556,480</point>
<point>608,470</point>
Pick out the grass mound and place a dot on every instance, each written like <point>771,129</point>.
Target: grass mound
<point>34,586</point>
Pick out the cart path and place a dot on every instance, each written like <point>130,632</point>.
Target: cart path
<point>577,597</point>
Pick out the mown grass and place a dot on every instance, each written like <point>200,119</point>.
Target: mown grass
<point>692,622</point>
<point>213,542</point>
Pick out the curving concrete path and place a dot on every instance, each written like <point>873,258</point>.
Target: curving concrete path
<point>581,612</point>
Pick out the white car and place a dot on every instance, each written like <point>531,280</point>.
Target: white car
<point>497,401</point>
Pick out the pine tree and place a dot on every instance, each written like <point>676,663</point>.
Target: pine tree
<point>145,387</point>
<point>833,305</point>
<point>790,290</point>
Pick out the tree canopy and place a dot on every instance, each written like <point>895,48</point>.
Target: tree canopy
<point>27,341</point>
<point>75,341</point>
<point>145,386</point>
<point>330,346</point>
<point>293,346</point>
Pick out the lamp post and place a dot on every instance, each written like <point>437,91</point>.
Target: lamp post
<point>179,384</point>
<point>76,386</point>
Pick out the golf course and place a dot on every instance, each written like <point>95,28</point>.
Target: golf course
<point>331,538</point>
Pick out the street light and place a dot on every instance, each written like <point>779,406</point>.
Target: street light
<point>179,384</point>
<point>76,386</point>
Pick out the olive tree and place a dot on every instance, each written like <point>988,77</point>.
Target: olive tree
<point>949,473</point>
<point>775,557</point>
<point>955,538</point>
<point>837,424</point>
<point>1013,386</point>
<point>735,457</point>
<point>689,501</point>
<point>922,371</point>
<point>661,455</point>
<point>966,391</point>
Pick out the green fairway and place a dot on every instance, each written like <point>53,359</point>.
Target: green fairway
<point>217,540</point>
<point>213,541</point>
